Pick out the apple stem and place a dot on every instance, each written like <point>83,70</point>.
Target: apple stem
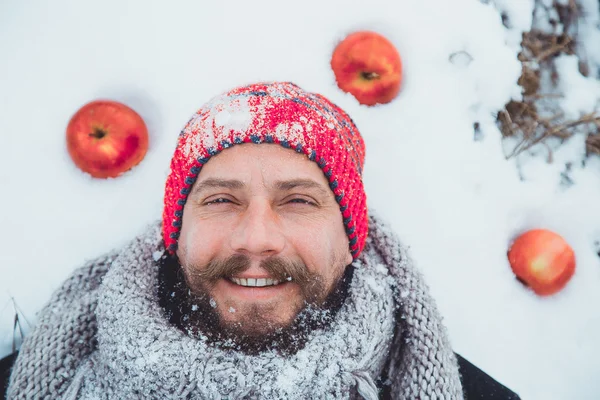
<point>98,133</point>
<point>369,75</point>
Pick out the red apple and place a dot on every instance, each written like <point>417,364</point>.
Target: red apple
<point>106,138</point>
<point>542,260</point>
<point>368,65</point>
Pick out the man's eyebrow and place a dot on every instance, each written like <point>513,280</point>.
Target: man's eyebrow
<point>218,183</point>
<point>300,183</point>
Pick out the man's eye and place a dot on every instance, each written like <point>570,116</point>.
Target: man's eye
<point>302,201</point>
<point>220,200</point>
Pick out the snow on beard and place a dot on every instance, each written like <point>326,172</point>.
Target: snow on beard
<point>191,307</point>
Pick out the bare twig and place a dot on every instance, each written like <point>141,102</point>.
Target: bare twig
<point>586,119</point>
<point>20,311</point>
<point>554,50</point>
<point>17,324</point>
<point>550,154</point>
<point>537,96</point>
<point>592,144</point>
<point>560,131</point>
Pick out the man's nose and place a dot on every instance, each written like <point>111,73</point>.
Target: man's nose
<point>258,231</point>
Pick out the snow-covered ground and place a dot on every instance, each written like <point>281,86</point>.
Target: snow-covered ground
<point>455,200</point>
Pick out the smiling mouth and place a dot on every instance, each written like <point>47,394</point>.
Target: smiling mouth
<point>257,282</point>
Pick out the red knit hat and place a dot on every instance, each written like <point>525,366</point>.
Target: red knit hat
<point>279,113</point>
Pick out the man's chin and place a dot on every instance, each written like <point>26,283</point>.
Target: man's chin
<point>255,331</point>
<point>255,320</point>
<point>255,327</point>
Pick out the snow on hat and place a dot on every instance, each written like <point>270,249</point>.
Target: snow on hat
<point>280,113</point>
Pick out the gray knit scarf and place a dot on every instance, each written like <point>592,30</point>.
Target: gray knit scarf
<point>104,336</point>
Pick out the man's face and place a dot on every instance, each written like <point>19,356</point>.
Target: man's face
<point>262,215</point>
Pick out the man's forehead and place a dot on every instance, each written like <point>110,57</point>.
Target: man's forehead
<point>271,160</point>
<point>232,183</point>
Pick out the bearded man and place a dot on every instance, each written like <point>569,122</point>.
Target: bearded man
<point>267,277</point>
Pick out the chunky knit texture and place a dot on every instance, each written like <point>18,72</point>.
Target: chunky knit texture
<point>104,336</point>
<point>280,113</point>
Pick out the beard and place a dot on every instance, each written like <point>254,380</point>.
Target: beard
<point>184,294</point>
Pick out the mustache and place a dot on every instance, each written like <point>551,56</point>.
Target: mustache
<point>278,268</point>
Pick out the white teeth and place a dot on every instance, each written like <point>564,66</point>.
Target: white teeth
<point>260,282</point>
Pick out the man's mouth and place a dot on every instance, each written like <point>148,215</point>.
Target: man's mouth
<point>256,282</point>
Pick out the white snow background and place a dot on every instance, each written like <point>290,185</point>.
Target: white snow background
<point>455,200</point>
